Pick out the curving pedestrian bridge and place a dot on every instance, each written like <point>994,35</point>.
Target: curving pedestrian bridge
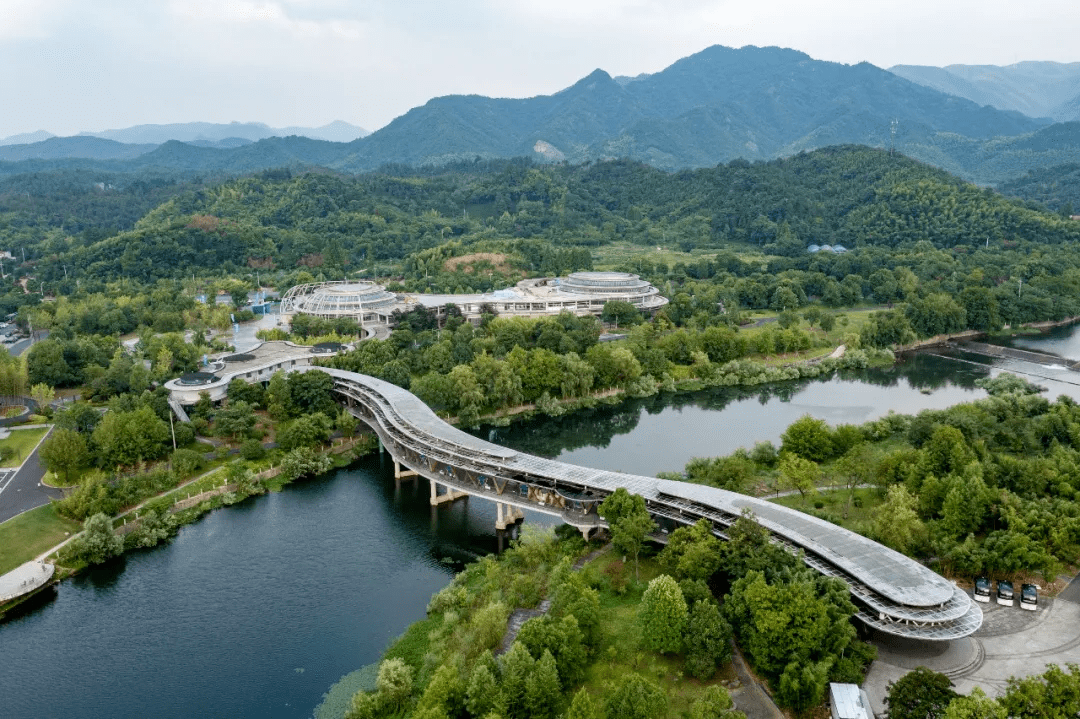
<point>893,593</point>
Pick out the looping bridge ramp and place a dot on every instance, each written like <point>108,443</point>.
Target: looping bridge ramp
<point>893,593</point>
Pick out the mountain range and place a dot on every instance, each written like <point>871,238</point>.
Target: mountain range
<point>714,106</point>
<point>206,133</point>
<point>1037,89</point>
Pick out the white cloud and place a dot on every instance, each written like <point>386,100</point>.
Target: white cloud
<point>22,19</point>
<point>110,63</point>
<point>261,15</point>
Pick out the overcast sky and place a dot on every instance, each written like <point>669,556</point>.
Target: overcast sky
<point>72,65</point>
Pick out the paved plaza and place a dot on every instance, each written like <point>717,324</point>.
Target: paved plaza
<point>1011,642</point>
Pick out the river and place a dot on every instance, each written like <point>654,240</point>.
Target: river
<point>256,610</point>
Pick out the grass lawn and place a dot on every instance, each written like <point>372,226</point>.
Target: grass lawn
<point>32,533</point>
<point>620,650</point>
<point>835,503</point>
<point>23,442</point>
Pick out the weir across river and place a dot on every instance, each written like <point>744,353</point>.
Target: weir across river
<point>893,593</point>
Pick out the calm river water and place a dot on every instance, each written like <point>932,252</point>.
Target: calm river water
<point>256,610</point>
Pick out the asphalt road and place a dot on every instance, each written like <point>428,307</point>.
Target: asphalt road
<point>23,489</point>
<point>1071,593</point>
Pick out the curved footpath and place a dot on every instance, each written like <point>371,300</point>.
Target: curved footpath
<point>893,593</point>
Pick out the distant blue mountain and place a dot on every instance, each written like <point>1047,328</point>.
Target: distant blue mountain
<point>1037,89</point>
<point>337,131</point>
<point>92,148</point>
<point>711,107</point>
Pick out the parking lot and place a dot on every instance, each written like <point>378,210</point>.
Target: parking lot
<point>1011,642</point>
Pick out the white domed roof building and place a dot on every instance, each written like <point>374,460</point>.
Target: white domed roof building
<point>581,293</point>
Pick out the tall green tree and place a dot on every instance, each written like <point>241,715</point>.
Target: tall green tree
<point>663,615</point>
<point>629,521</point>
<point>919,694</point>
<point>64,452</point>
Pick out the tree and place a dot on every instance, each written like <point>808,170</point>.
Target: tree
<point>583,706</point>
<point>308,430</point>
<point>714,703</point>
<point>152,529</point>
<point>444,695</point>
<point>896,522</point>
<point>310,392</point>
<point>64,452</point>
<point>707,640</point>
<point>808,438</point>
<point>975,706</point>
<point>919,694</point>
<point>692,552</point>
<point>517,666</point>
<point>303,461</point>
<point>251,392</point>
<point>629,521</point>
<point>663,615</point>
<point>635,697</point>
<point>124,438</point>
<point>235,420</point>
<point>482,695</point>
<point>936,314</point>
<point>620,313</point>
<point>802,685</point>
<point>799,474</point>
<point>80,417</point>
<point>1054,694</point>
<point>362,706</point>
<point>394,684</point>
<point>43,394</point>
<point>98,542</point>
<point>542,690</point>
<point>563,639</point>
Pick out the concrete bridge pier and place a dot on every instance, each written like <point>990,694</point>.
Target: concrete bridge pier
<point>449,496</point>
<point>505,515</point>
<point>406,473</point>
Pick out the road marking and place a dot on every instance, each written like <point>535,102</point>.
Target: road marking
<point>6,475</point>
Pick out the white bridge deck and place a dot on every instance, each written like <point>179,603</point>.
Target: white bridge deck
<point>894,593</point>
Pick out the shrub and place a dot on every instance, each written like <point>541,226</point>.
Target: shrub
<point>186,462</point>
<point>252,450</point>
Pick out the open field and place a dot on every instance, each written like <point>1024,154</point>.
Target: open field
<point>609,256</point>
<point>23,442</point>
<point>32,533</point>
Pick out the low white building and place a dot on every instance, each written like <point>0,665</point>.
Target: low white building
<point>848,701</point>
<point>581,293</point>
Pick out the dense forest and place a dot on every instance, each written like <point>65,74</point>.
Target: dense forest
<point>851,196</point>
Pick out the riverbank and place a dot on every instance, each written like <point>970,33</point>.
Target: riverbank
<point>201,494</point>
<point>1028,328</point>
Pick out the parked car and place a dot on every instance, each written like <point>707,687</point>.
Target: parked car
<point>1005,593</point>
<point>1029,597</point>
<point>982,590</point>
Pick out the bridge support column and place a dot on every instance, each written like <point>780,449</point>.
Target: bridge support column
<point>450,496</point>
<point>506,514</point>
<point>400,474</point>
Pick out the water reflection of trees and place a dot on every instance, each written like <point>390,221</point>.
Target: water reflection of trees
<point>549,437</point>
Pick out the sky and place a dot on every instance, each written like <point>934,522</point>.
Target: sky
<point>76,65</point>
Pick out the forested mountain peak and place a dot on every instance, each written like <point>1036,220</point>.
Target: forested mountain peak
<point>710,107</point>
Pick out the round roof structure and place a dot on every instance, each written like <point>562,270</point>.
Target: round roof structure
<point>337,299</point>
<point>591,283</point>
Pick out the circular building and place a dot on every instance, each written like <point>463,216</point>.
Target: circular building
<point>366,302</point>
<point>582,293</point>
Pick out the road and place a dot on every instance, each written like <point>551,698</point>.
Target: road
<point>22,489</point>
